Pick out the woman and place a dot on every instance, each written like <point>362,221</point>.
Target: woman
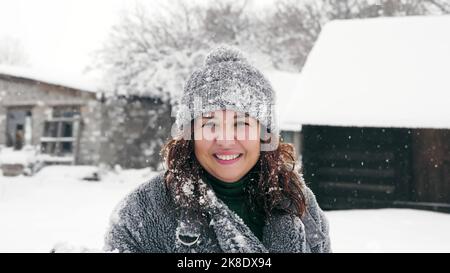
<point>230,186</point>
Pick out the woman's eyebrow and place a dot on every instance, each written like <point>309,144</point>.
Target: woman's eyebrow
<point>236,116</point>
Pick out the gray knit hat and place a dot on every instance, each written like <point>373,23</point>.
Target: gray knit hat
<point>228,81</point>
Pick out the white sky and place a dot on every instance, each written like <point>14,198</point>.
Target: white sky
<point>60,35</point>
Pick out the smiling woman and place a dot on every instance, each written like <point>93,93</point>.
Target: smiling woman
<point>230,185</point>
<point>227,150</point>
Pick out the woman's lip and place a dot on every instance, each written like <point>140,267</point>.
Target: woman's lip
<point>227,162</point>
<point>227,153</point>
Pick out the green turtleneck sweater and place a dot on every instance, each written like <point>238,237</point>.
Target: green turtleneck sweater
<point>234,196</point>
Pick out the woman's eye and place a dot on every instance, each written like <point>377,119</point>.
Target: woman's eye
<point>208,124</point>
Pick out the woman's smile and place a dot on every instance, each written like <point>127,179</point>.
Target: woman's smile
<point>227,158</point>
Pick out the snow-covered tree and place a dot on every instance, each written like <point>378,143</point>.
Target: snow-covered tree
<point>349,9</point>
<point>287,32</point>
<point>153,52</point>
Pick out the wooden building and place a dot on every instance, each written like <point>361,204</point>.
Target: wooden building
<point>374,109</point>
<point>61,120</point>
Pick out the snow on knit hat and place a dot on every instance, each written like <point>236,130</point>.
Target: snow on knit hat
<point>228,82</point>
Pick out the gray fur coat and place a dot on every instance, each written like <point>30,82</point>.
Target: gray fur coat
<point>147,221</point>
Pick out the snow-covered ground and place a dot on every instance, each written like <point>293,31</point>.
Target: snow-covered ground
<point>389,230</point>
<point>57,208</point>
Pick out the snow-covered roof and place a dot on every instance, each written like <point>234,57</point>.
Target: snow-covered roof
<point>284,85</point>
<point>56,78</point>
<point>384,72</point>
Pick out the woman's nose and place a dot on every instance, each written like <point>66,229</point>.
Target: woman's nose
<point>226,133</point>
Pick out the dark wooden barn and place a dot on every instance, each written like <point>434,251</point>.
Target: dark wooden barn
<point>374,108</point>
<point>351,167</point>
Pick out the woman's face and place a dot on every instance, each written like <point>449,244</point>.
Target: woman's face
<point>227,144</point>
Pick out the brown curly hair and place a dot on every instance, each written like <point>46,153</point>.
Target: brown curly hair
<point>279,183</point>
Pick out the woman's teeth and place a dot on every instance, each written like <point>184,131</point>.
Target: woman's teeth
<point>227,157</point>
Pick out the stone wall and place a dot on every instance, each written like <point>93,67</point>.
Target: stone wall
<point>134,130</point>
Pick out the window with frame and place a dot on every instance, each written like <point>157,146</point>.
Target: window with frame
<point>61,131</point>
